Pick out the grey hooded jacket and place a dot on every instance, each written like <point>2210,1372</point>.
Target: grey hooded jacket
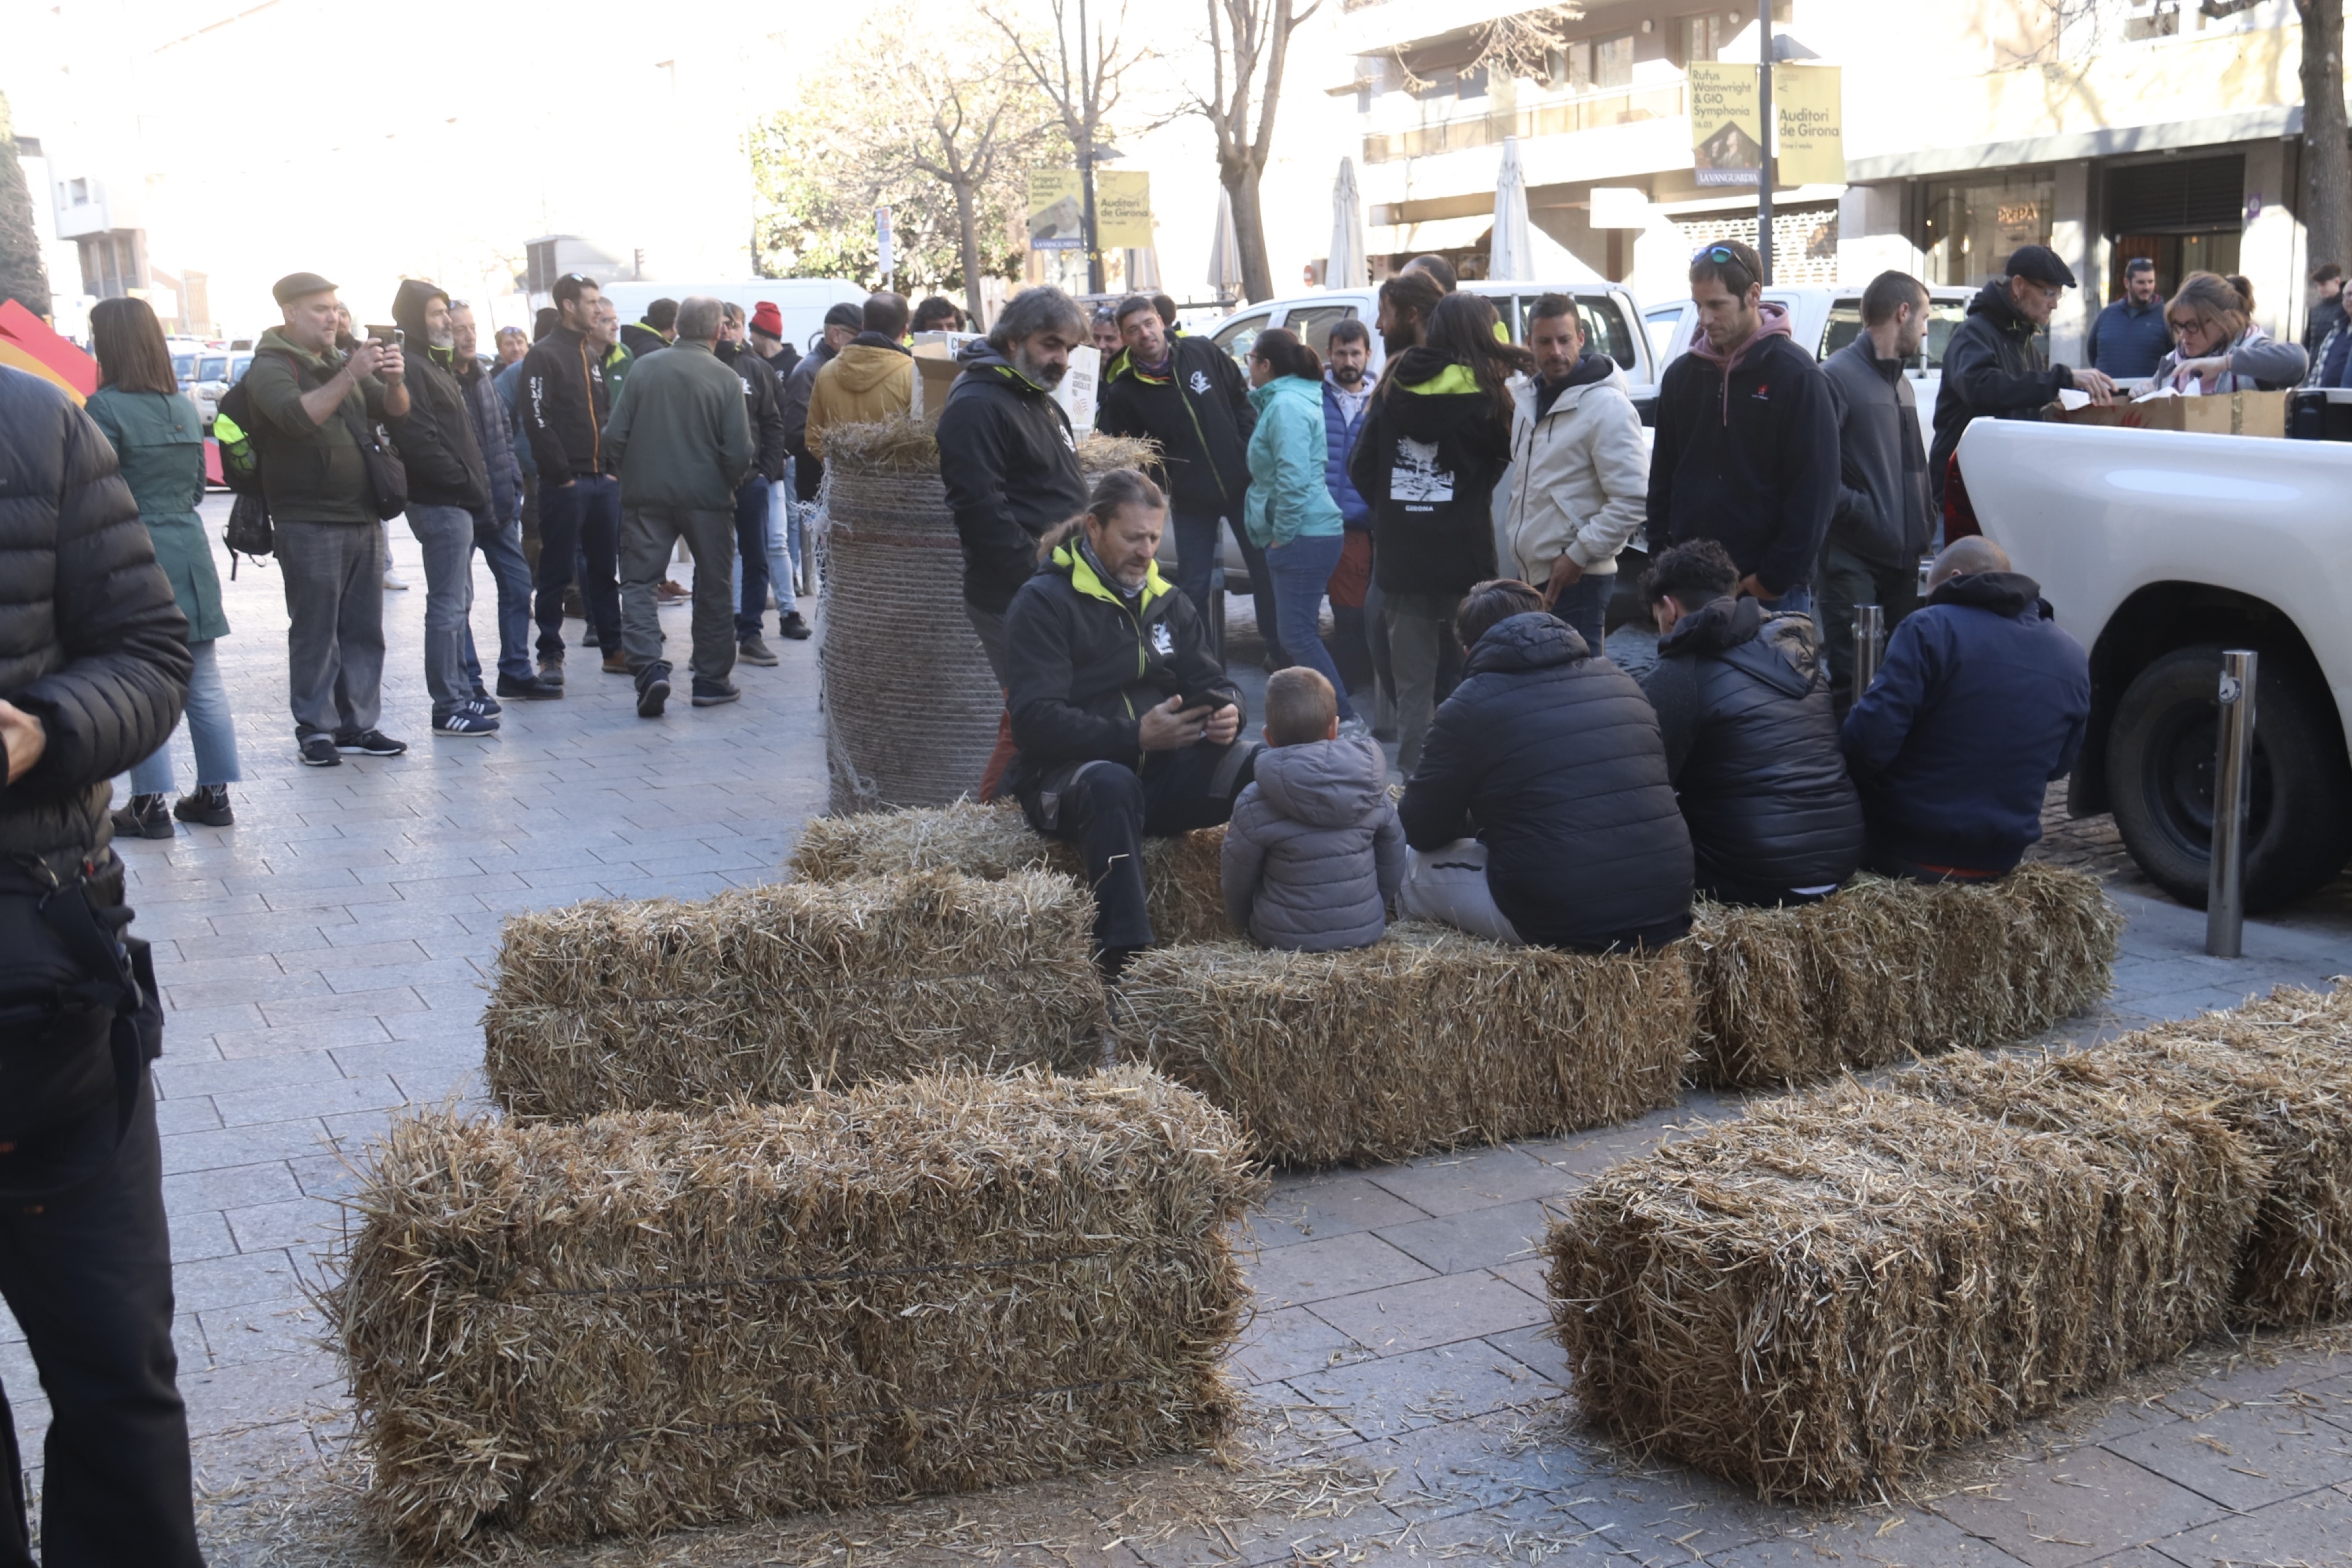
<point>1314,853</point>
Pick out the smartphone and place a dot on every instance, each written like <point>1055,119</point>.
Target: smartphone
<point>1201,702</point>
<point>391,335</point>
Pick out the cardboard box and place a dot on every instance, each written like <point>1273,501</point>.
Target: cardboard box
<point>935,372</point>
<point>2219,414</point>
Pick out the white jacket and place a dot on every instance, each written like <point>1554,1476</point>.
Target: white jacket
<point>1581,477</point>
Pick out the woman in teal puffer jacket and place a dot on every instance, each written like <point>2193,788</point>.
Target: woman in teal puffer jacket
<point>1289,512</point>
<point>161,443</point>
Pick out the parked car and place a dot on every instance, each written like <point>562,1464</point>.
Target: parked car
<point>2158,550</point>
<point>1825,319</point>
<point>216,370</point>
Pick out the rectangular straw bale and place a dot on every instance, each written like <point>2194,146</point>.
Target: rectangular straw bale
<point>1428,1040</point>
<point>764,993</point>
<point>1753,975</point>
<point>649,1321</point>
<point>1183,890</point>
<point>2274,1071</point>
<point>1815,1297</point>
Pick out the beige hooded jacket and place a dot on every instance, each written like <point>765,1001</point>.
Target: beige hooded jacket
<point>1579,475</point>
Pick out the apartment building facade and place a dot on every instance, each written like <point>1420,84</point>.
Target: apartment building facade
<point>2105,129</point>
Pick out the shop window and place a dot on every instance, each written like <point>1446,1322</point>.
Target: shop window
<point>1571,66</point>
<point>1972,226</point>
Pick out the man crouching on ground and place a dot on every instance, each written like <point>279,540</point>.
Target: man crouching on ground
<point>1124,722</point>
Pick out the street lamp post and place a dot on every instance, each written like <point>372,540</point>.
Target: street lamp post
<point>1087,159</point>
<point>1764,104</point>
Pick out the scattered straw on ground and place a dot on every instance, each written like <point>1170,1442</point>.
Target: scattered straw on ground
<point>769,992</point>
<point>651,1321</point>
<point>1427,1040</point>
<point>1182,877</point>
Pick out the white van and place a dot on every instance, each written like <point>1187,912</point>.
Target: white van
<point>801,300</point>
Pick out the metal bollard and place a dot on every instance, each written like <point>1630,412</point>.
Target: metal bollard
<point>2233,755</point>
<point>1869,646</point>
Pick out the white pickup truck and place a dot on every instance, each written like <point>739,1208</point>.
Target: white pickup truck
<point>2158,550</point>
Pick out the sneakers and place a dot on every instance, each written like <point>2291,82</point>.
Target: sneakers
<point>464,722</point>
<point>319,751</point>
<point>392,584</point>
<point>795,627</point>
<point>532,688</point>
<point>752,651</point>
<point>712,694</point>
<point>668,592</point>
<point>588,638</point>
<point>551,674</point>
<point>143,818</point>
<point>653,691</point>
<point>368,743</point>
<point>207,807</point>
<point>482,702</point>
<point>617,664</point>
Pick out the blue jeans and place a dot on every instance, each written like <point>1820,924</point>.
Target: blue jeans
<point>1300,571</point>
<point>1201,573</point>
<point>448,535</point>
<point>1584,605</point>
<point>760,560</point>
<point>583,519</point>
<point>502,547</point>
<point>211,730</point>
<point>1798,600</point>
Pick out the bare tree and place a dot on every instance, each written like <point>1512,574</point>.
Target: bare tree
<point>2326,152</point>
<point>983,125</point>
<point>1249,44</point>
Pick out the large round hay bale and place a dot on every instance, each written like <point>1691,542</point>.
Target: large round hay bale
<point>910,706</point>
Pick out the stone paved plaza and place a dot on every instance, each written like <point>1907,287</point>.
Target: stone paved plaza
<point>324,962</point>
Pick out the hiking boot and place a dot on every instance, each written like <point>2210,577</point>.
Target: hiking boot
<point>617,664</point>
<point>551,672</point>
<point>207,807</point>
<point>532,688</point>
<point>653,691</point>
<point>668,592</point>
<point>319,751</point>
<point>369,743</point>
<point>712,694</point>
<point>145,817</point>
<point>752,651</point>
<point>465,723</point>
<point>588,639</point>
<point>795,627</point>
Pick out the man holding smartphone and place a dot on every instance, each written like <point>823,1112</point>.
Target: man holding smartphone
<point>312,405</point>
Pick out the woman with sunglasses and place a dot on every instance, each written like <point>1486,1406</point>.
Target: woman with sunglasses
<point>2217,347</point>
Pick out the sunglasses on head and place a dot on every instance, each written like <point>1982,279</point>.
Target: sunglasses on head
<point>1724,255</point>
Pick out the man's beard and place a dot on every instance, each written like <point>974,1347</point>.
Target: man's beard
<point>1398,342</point>
<point>1348,376</point>
<point>446,340</point>
<point>1048,376</point>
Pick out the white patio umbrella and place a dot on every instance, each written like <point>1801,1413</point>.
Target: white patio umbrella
<point>1511,251</point>
<point>1346,268</point>
<point>1224,250</point>
<point>1142,269</point>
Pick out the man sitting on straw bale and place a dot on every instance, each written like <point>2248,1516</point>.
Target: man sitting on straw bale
<point>1751,738</point>
<point>1125,722</point>
<point>1982,702</point>
<point>1314,852</point>
<point>1553,759</point>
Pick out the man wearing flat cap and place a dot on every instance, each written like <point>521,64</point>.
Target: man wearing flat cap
<point>1993,367</point>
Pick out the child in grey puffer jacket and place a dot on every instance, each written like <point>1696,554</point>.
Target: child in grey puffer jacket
<point>1314,852</point>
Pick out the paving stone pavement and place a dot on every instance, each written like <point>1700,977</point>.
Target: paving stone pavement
<point>324,962</point>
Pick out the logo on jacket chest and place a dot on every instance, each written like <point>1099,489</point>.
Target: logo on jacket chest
<point>1199,384</point>
<point>1163,643</point>
<point>1763,392</point>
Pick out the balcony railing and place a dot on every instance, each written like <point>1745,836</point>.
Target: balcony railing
<point>1588,111</point>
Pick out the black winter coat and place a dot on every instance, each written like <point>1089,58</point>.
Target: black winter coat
<point>1428,455</point>
<point>494,432</point>
<point>641,339</point>
<point>1082,663</point>
<point>435,437</point>
<point>763,403</point>
<point>1992,367</point>
<point>1010,462</point>
<point>1751,465</point>
<point>1752,748</point>
<point>565,406</point>
<point>1200,416</point>
<point>91,641</point>
<point>1552,759</point>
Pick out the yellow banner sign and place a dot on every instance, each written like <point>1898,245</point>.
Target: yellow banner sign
<point>1057,210</point>
<point>1726,127</point>
<point>1123,210</point>
<point>1807,104</point>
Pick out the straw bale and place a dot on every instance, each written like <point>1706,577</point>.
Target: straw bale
<point>649,1320</point>
<point>1428,1040</point>
<point>1182,877</point>
<point>767,992</point>
<point>1815,1297</point>
<point>909,443</point>
<point>1753,975</point>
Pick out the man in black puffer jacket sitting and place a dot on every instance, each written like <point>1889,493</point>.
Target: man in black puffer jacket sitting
<point>1751,739</point>
<point>93,673</point>
<point>1553,761</point>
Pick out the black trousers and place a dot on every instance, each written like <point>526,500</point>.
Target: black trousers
<point>1107,809</point>
<point>89,1276</point>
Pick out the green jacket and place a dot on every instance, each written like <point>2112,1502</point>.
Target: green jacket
<point>679,435</point>
<point>157,438</point>
<point>617,361</point>
<point>310,473</point>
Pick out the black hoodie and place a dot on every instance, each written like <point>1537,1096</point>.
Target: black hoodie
<point>763,403</point>
<point>1010,462</point>
<point>1199,412</point>
<point>1991,366</point>
<point>1427,457</point>
<point>1752,747</point>
<point>565,404</point>
<point>435,437</point>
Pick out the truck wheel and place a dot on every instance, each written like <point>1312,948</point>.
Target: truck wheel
<point>2160,776</point>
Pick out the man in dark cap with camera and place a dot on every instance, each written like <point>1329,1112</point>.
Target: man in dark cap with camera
<point>1994,367</point>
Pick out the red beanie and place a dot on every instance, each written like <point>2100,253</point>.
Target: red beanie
<point>767,320</point>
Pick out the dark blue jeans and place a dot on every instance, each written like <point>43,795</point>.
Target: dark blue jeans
<point>580,519</point>
<point>1201,573</point>
<point>502,547</point>
<point>751,504</point>
<point>1300,570</point>
<point>1584,605</point>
